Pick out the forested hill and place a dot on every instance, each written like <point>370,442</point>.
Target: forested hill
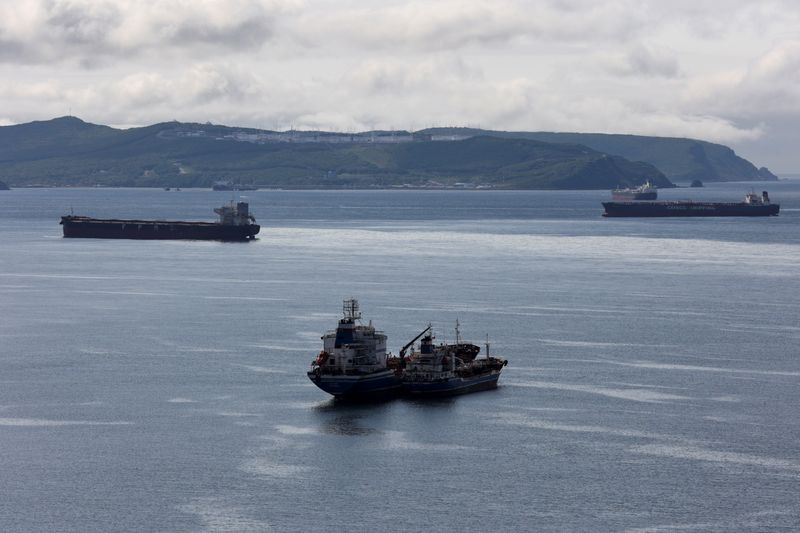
<point>68,151</point>
<point>680,159</point>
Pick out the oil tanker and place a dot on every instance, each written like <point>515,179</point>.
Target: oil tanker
<point>752,206</point>
<point>438,370</point>
<point>235,224</point>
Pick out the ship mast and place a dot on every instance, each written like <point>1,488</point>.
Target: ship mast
<point>350,309</point>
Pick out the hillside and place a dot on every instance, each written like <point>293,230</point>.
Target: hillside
<point>679,159</point>
<point>68,151</point>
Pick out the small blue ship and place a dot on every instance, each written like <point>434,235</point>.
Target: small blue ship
<point>448,369</point>
<point>353,363</point>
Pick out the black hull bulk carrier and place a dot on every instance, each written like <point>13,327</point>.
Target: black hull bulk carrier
<point>752,206</point>
<point>235,224</point>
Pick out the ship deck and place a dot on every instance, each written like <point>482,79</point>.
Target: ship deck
<point>92,220</point>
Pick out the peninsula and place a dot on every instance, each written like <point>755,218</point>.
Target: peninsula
<point>70,152</point>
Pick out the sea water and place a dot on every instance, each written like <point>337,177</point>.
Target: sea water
<point>653,380</point>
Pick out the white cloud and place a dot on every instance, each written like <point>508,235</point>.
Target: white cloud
<point>398,76</point>
<point>92,31</point>
<point>724,71</point>
<point>455,24</point>
<point>769,85</point>
<point>643,60</point>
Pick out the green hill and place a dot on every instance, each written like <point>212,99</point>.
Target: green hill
<point>68,151</point>
<point>678,158</point>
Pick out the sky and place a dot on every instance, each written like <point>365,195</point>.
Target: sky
<point>725,71</point>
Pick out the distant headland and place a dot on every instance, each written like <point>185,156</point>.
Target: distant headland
<point>67,151</point>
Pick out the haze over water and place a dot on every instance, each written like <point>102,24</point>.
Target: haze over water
<point>160,386</point>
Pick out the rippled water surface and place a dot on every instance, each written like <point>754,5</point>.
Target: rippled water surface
<point>653,382</point>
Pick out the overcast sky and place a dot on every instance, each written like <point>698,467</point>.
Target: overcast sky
<point>727,71</point>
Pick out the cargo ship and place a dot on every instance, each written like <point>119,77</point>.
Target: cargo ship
<point>437,370</point>
<point>646,191</point>
<point>752,206</point>
<point>354,364</point>
<point>235,224</point>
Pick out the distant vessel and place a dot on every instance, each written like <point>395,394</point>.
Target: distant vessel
<point>646,191</point>
<point>696,183</point>
<point>752,206</point>
<point>230,186</point>
<point>235,224</point>
<point>448,369</point>
<point>353,363</point>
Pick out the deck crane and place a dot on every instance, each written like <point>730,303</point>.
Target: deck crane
<point>407,346</point>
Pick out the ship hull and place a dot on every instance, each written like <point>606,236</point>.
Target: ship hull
<point>379,385</point>
<point>688,209</point>
<point>93,228</point>
<point>451,386</point>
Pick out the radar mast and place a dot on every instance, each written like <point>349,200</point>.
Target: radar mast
<point>350,310</point>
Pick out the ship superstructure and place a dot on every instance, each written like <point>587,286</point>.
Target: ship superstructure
<point>354,363</point>
<point>646,191</point>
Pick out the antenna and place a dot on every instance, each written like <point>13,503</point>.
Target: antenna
<point>350,309</point>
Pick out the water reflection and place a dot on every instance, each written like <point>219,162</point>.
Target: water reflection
<point>347,418</point>
<point>349,425</point>
<point>431,403</point>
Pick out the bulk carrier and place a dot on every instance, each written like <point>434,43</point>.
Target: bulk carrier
<point>235,224</point>
<point>752,206</point>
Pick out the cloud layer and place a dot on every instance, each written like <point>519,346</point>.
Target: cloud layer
<point>723,70</point>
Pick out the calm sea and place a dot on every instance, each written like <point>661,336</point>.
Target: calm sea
<point>653,380</point>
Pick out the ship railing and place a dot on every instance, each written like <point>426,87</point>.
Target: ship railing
<point>412,375</point>
<point>345,371</point>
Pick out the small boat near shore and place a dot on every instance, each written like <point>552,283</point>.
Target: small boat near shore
<point>231,186</point>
